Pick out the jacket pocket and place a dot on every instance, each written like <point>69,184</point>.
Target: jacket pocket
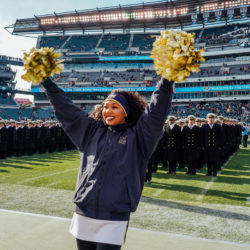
<point>115,195</point>
<point>133,197</point>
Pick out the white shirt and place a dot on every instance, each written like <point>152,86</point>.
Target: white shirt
<point>211,125</point>
<point>102,231</point>
<point>171,126</point>
<point>191,126</point>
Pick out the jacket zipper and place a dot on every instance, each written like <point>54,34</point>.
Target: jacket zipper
<point>102,174</point>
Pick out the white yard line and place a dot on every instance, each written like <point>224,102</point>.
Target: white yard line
<point>248,200</point>
<point>158,192</point>
<point>207,187</point>
<point>42,176</point>
<point>36,215</point>
<point>130,228</point>
<point>52,184</point>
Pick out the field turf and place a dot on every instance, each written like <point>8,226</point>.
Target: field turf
<point>59,171</point>
<point>209,207</point>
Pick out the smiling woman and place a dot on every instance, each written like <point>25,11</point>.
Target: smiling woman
<point>113,113</point>
<point>115,142</point>
<point>120,107</point>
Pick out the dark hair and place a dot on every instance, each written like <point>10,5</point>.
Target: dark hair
<point>136,103</point>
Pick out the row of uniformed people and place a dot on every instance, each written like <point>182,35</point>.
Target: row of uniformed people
<point>194,142</point>
<point>28,137</point>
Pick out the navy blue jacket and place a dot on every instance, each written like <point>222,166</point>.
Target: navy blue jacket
<point>113,160</point>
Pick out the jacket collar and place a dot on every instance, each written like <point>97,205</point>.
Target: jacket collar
<point>119,127</point>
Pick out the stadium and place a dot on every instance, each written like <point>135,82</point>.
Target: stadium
<point>109,48</point>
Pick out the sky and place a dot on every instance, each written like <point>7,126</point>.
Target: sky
<point>15,9</point>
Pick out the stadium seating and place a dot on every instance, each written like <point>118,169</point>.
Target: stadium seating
<point>237,110</point>
<point>139,76</point>
<point>43,113</point>
<point>111,42</point>
<point>137,73</point>
<point>225,34</point>
<point>26,113</point>
<point>7,101</point>
<point>15,113</point>
<point>53,41</point>
<point>144,41</point>
<point>82,43</point>
<point>5,73</point>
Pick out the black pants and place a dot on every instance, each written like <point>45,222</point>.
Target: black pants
<point>192,166</point>
<point>88,245</point>
<point>3,153</point>
<point>181,164</point>
<point>149,173</point>
<point>212,168</point>
<point>172,166</point>
<point>245,137</point>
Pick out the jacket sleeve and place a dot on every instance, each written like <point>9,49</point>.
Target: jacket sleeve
<point>149,127</point>
<point>74,120</point>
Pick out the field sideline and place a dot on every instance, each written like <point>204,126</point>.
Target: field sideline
<point>208,207</point>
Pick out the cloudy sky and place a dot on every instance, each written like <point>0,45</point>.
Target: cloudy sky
<point>15,9</point>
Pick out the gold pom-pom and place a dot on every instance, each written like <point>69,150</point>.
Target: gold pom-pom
<point>174,55</point>
<point>40,64</point>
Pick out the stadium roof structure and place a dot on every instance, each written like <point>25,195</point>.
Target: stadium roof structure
<point>11,60</point>
<point>162,14</point>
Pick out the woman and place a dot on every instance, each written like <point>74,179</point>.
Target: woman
<point>115,143</point>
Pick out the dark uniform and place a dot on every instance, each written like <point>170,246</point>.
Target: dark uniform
<point>226,142</point>
<point>212,141</point>
<point>18,140</point>
<point>201,160</point>
<point>59,138</point>
<point>192,145</point>
<point>3,141</point>
<point>154,161</point>
<point>172,142</point>
<point>181,159</point>
<point>52,140</point>
<point>10,135</point>
<point>41,139</point>
<point>30,139</point>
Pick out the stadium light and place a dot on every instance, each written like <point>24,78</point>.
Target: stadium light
<point>105,18</point>
<point>143,14</point>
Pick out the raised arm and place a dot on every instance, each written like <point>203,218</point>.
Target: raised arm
<point>74,120</point>
<point>149,128</point>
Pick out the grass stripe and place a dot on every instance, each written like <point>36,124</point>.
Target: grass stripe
<point>43,176</point>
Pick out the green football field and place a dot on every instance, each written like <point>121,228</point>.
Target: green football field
<point>59,171</point>
<point>209,207</point>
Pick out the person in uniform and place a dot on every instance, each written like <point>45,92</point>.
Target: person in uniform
<point>29,138</point>
<point>239,133</point>
<point>3,140</point>
<point>226,141</point>
<point>201,152</point>
<point>47,137</point>
<point>163,147</point>
<point>220,162</point>
<point>172,139</point>
<point>181,160</point>
<point>192,145</point>
<point>10,125</point>
<point>203,121</point>
<point>18,139</point>
<point>40,137</point>
<point>150,169</point>
<point>22,127</point>
<point>212,141</point>
<point>52,133</point>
